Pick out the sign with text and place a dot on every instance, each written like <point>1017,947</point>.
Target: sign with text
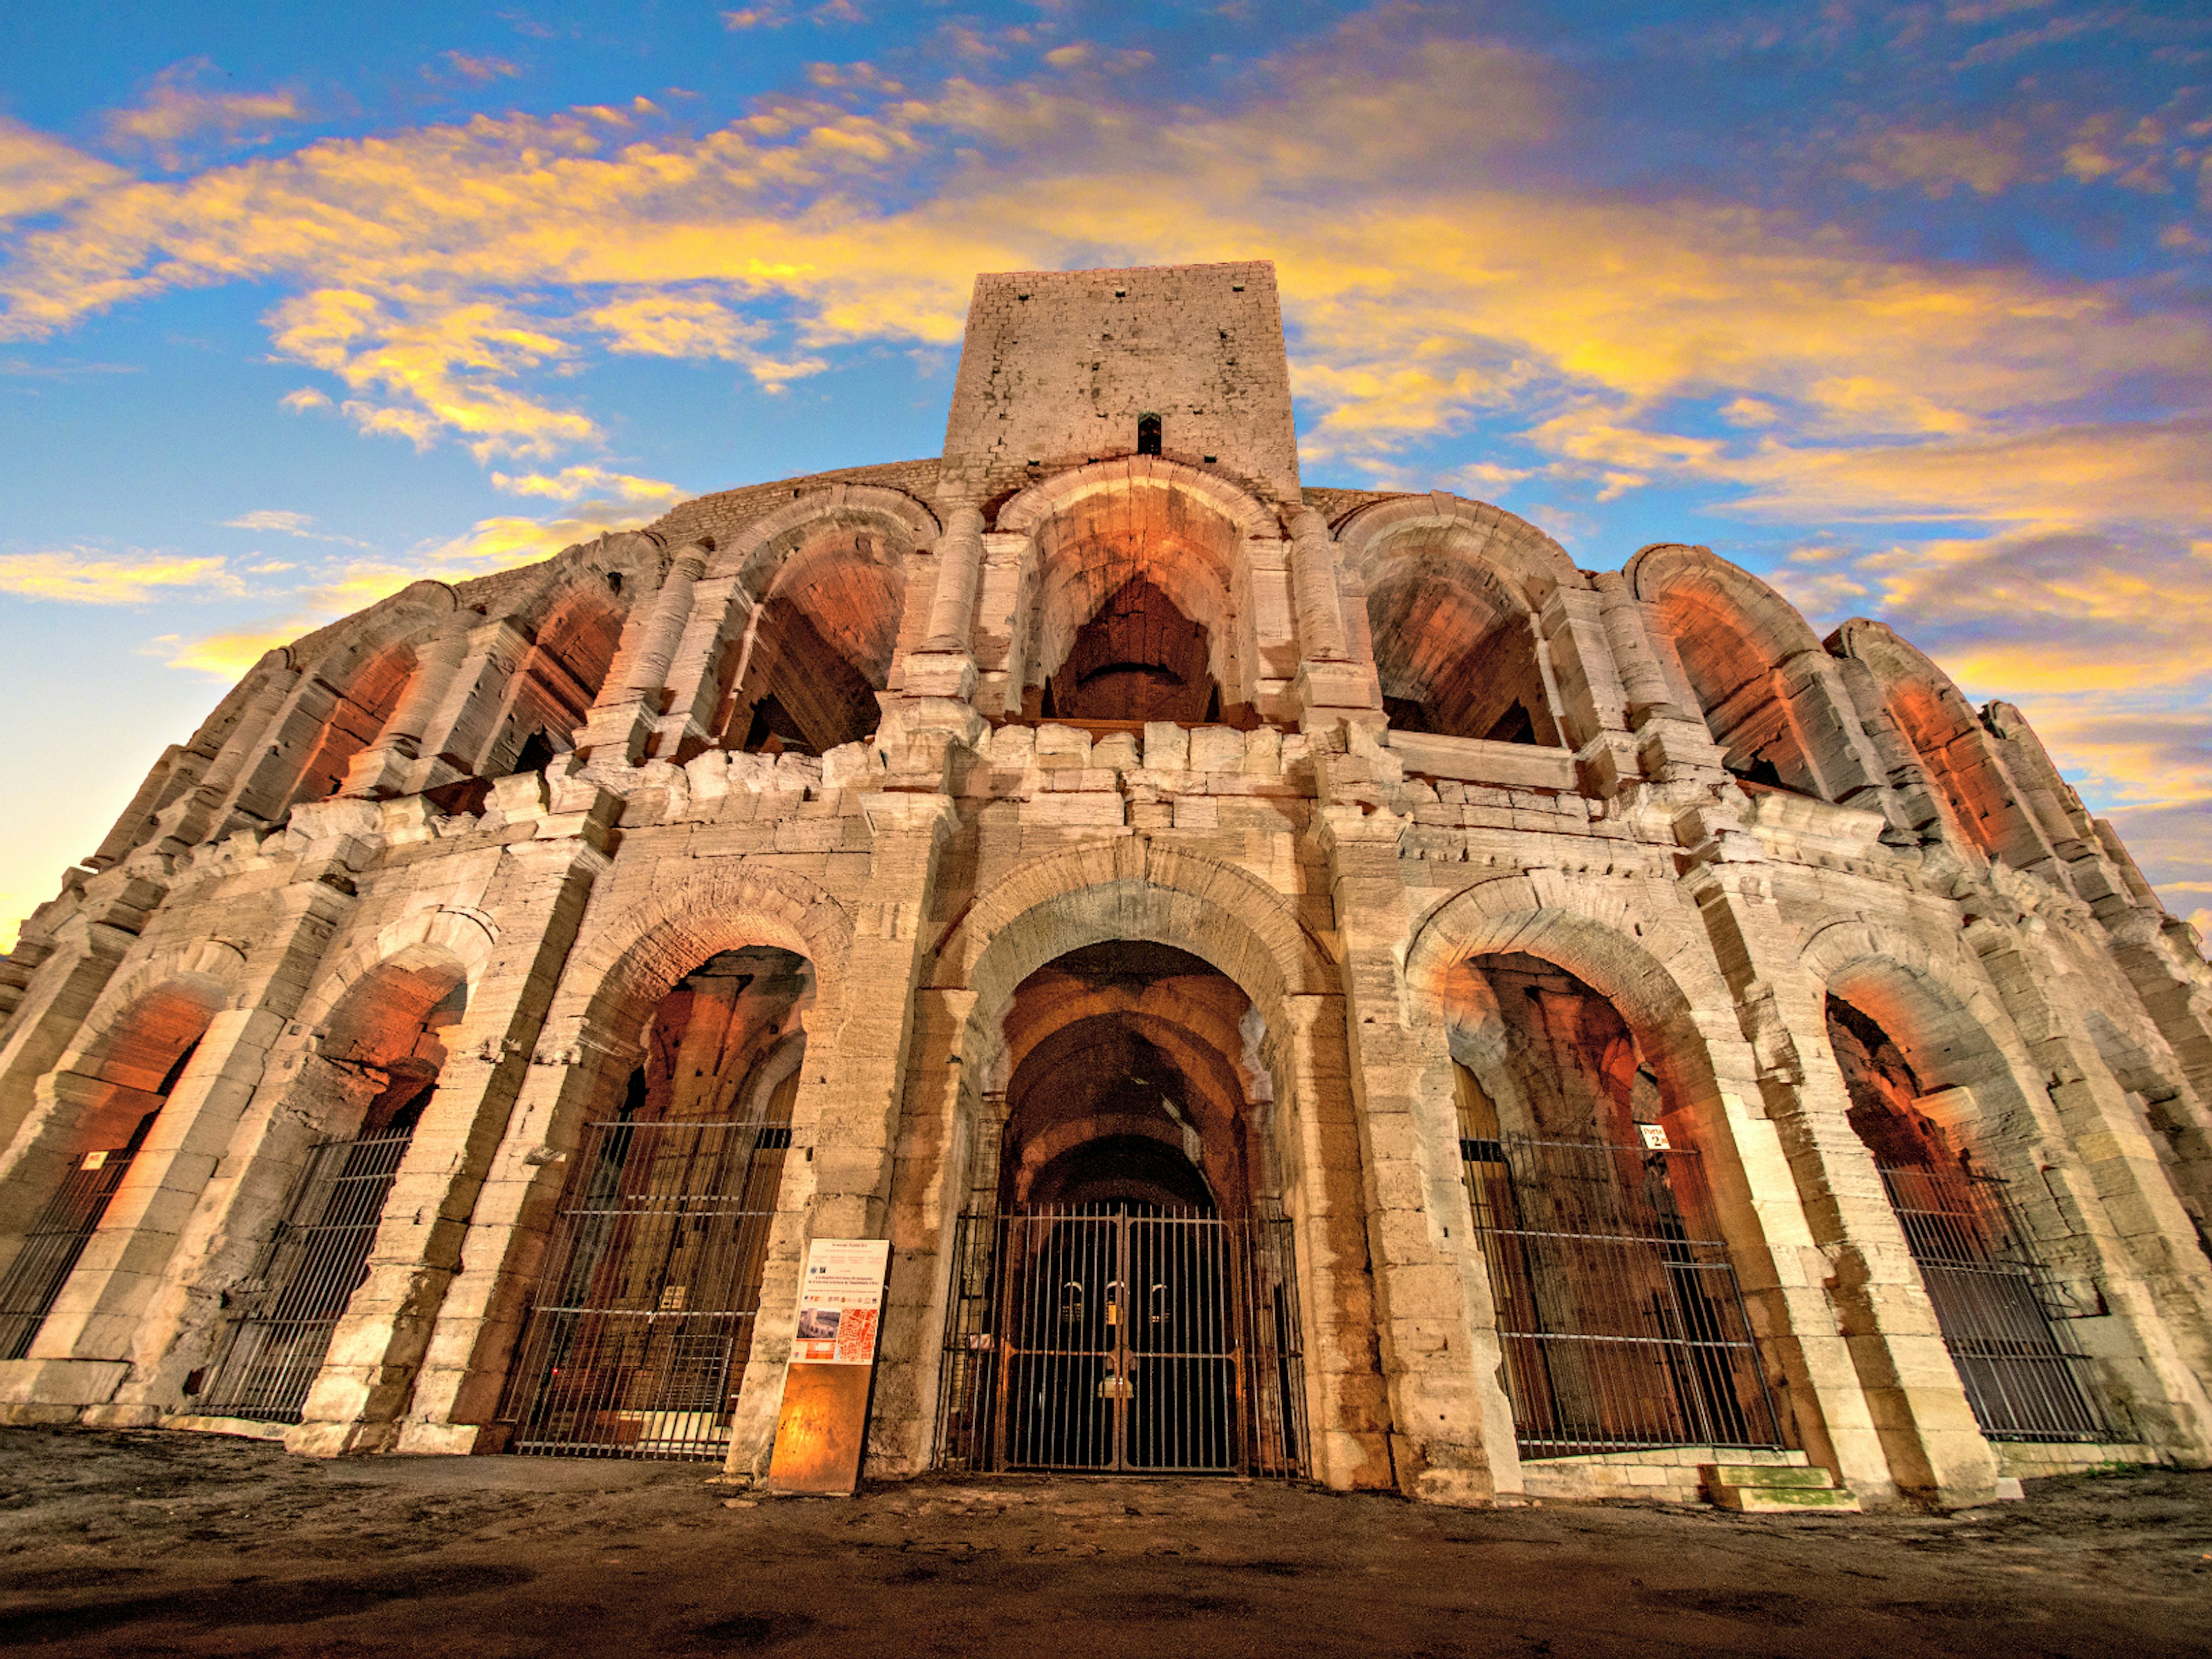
<point>822,1425</point>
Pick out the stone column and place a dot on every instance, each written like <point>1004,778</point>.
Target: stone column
<point>1634,659</point>
<point>933,1184</point>
<point>1451,1428</point>
<point>458,737</point>
<point>383,768</point>
<point>1332,685</point>
<point>210,809</point>
<point>1921,809</point>
<point>623,723</point>
<point>379,1346</point>
<point>1313,571</point>
<point>1835,746</point>
<point>845,1122</point>
<point>959,568</point>
<point>1591,705</point>
<point>1872,1387</point>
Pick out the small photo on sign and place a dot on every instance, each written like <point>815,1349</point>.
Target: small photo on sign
<point>819,1324</point>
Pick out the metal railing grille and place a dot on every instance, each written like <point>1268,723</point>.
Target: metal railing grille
<point>1991,1304</point>
<point>282,1319</point>
<point>55,1239</point>
<point>637,1344</point>
<point>1618,1309</point>
<point>1095,1339</point>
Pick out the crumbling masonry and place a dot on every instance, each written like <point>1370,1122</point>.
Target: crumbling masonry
<point>1617,1033</point>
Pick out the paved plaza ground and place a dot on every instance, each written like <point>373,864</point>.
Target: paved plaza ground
<point>163,1543</point>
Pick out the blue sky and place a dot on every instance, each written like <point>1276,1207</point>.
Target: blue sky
<point>1905,306</point>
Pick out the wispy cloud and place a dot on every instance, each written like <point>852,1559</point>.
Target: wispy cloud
<point>176,120</point>
<point>81,575</point>
<point>285,523</point>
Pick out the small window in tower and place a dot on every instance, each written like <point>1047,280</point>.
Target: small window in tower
<point>1148,434</point>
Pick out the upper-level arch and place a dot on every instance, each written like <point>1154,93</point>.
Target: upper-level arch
<point>1133,597</point>
<point>1972,787</point>
<point>1453,590</point>
<point>1770,694</point>
<point>353,676</point>
<point>805,609</point>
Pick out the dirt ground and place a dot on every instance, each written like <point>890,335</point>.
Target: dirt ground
<point>167,1543</point>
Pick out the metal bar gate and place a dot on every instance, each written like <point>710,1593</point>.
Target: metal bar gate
<point>1991,1299</point>
<point>1618,1309</point>
<point>283,1318</point>
<point>1096,1338</point>
<point>644,1318</point>
<point>55,1239</point>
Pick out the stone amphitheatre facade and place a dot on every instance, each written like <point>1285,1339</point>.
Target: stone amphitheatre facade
<point>1308,981</point>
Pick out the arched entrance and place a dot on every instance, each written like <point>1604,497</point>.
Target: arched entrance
<point>1617,1308</point>
<point>1126,1305</point>
<point>371,1075</point>
<point>642,1324</point>
<point>1994,1298</point>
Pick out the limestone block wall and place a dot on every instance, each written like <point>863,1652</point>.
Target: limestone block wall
<point>544,796</point>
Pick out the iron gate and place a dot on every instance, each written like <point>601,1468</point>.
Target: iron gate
<point>55,1238</point>
<point>638,1340</point>
<point>1110,1339</point>
<point>282,1317</point>
<point>1618,1309</point>
<point>1990,1296</point>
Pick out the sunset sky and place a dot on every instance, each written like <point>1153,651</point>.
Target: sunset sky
<point>1907,306</point>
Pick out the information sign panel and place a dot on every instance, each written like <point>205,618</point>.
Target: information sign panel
<point>823,1425</point>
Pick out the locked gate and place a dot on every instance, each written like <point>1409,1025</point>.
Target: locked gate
<point>1617,1308</point>
<point>638,1340</point>
<point>1117,1339</point>
<point>281,1320</point>
<point>53,1241</point>
<point>1993,1304</point>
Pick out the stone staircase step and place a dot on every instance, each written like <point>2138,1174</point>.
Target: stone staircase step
<point>1764,1474</point>
<point>1780,1500</point>
<point>1764,1489</point>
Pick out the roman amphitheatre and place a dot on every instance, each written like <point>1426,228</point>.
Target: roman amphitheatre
<point>1311,984</point>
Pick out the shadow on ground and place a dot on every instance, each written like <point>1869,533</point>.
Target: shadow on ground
<point>149,1543</point>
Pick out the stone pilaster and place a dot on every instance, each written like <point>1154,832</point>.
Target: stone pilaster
<point>623,722</point>
<point>384,767</point>
<point>2129,1228</point>
<point>1451,1430</point>
<point>1872,1387</point>
<point>845,1122</point>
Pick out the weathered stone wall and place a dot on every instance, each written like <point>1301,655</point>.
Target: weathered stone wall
<point>1710,819</point>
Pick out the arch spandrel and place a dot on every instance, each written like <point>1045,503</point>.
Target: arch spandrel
<point>443,933</point>
<point>1062,493</point>
<point>342,651</point>
<point>1928,989</point>
<point>1101,530</point>
<point>753,554</point>
<point>1654,972</point>
<point>1049,907</point>
<point>637,955</point>
<point>1681,579</point>
<point>212,970</point>
<point>1502,546</point>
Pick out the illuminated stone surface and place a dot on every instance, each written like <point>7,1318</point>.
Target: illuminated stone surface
<point>1405,830</point>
